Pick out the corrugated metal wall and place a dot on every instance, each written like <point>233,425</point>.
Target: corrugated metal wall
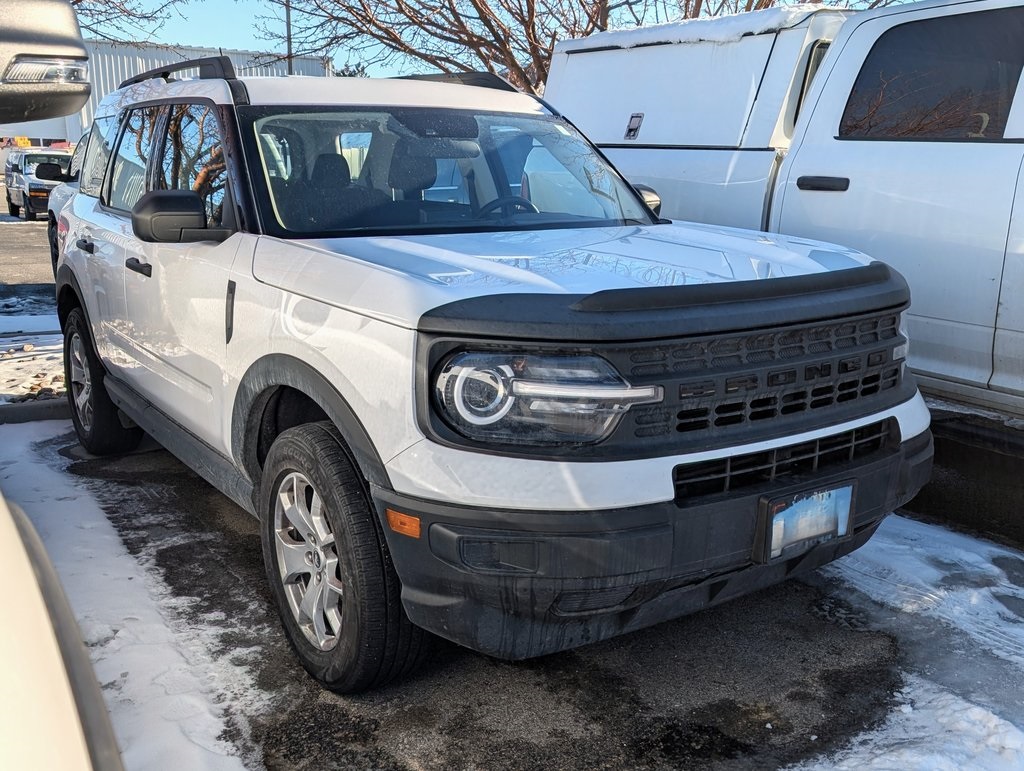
<point>112,63</point>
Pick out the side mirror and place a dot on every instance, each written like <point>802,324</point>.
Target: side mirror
<point>15,168</point>
<point>173,217</point>
<point>651,198</point>
<point>51,172</point>
<point>43,71</point>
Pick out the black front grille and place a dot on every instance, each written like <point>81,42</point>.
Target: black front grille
<point>714,477</point>
<point>764,347</point>
<point>789,401</point>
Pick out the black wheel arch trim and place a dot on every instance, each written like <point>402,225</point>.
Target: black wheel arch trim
<point>66,278</point>
<point>277,370</point>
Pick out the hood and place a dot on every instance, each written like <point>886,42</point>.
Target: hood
<point>398,278</point>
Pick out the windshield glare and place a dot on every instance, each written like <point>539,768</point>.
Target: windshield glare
<point>330,172</point>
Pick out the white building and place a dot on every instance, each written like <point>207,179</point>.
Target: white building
<point>112,63</point>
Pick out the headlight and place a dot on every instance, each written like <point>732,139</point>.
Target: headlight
<point>526,398</point>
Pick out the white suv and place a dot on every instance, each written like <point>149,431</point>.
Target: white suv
<point>520,412</point>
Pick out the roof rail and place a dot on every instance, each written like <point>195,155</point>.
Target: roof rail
<point>478,79</point>
<point>209,67</point>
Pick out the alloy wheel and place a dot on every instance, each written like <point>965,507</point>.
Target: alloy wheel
<point>81,382</point>
<point>307,560</point>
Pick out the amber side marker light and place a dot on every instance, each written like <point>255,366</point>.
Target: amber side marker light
<point>406,524</point>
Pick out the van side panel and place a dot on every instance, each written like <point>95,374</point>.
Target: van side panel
<point>1008,348</point>
<point>719,187</point>
<point>689,94</point>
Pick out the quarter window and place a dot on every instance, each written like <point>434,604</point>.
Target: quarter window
<point>97,153</point>
<point>950,78</point>
<point>128,172</point>
<point>193,157</point>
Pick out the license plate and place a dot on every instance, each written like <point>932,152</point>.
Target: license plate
<point>798,522</point>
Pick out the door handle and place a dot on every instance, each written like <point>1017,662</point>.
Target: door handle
<point>86,245</point>
<point>832,184</point>
<point>132,263</point>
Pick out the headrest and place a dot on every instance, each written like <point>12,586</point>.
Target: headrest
<point>330,170</point>
<point>411,172</point>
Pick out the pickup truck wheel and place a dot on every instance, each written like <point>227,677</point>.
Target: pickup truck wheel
<point>11,208</point>
<point>95,417</point>
<point>328,565</point>
<point>30,216</point>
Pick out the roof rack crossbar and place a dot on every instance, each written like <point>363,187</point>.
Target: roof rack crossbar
<point>209,67</point>
<point>478,79</point>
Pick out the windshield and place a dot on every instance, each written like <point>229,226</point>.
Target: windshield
<point>364,171</point>
<point>31,161</point>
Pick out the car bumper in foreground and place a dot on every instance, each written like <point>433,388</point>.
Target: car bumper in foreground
<point>518,584</point>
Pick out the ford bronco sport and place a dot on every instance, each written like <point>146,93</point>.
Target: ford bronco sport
<point>507,405</point>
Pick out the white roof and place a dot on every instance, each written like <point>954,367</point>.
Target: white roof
<point>296,90</point>
<point>721,29</point>
<point>386,91</point>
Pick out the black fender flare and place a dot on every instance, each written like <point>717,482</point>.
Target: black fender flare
<point>278,369</point>
<point>67,278</point>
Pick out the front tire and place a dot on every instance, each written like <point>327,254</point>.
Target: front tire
<point>30,216</point>
<point>51,239</point>
<point>11,208</point>
<point>329,567</point>
<point>95,417</point>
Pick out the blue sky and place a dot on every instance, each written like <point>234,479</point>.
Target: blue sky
<point>228,24</point>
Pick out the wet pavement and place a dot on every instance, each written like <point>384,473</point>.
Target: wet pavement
<point>760,682</point>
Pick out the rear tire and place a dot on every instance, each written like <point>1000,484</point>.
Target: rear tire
<point>95,417</point>
<point>329,567</point>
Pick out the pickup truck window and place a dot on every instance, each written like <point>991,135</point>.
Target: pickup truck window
<point>948,78</point>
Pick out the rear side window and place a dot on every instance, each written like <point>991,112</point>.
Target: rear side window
<point>193,157</point>
<point>97,153</point>
<point>948,78</point>
<point>128,173</point>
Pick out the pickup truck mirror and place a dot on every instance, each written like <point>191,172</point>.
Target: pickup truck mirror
<point>15,168</point>
<point>651,198</point>
<point>51,172</point>
<point>43,70</point>
<point>174,217</point>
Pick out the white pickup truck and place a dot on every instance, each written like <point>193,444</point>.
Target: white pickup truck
<point>898,131</point>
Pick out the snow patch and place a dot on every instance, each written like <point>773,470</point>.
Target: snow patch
<point>721,29</point>
<point>166,694</point>
<point>31,367</point>
<point>965,582</point>
<point>934,730</point>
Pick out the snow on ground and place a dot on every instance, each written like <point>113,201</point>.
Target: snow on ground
<point>31,354</point>
<point>965,582</point>
<point>31,367</point>
<point>161,686</point>
<point>933,730</point>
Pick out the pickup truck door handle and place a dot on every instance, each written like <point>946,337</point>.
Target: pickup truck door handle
<point>86,245</point>
<point>833,184</point>
<point>132,263</point>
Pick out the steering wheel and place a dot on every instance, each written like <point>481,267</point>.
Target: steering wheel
<point>509,203</point>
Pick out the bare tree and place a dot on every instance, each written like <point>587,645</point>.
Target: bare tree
<point>514,38</point>
<point>122,21</point>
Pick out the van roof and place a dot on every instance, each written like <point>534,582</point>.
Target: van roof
<point>721,29</point>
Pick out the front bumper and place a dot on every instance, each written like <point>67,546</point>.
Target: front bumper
<point>37,204</point>
<point>517,584</point>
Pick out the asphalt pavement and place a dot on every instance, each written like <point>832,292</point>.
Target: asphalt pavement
<point>780,676</point>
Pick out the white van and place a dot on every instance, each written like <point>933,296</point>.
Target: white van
<point>899,132</point>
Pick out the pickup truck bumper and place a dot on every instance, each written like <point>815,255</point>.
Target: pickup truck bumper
<point>518,584</point>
